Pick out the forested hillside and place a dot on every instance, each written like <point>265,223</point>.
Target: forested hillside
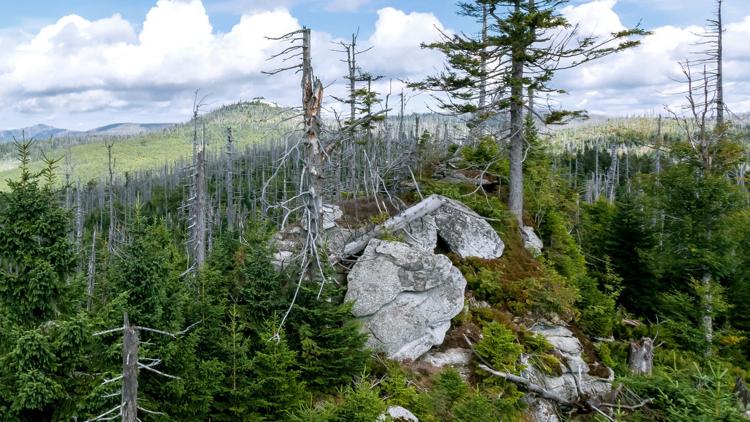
<point>484,263</point>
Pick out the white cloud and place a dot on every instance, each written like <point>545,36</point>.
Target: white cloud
<point>642,79</point>
<point>104,70</point>
<point>80,65</point>
<point>594,18</point>
<point>397,39</point>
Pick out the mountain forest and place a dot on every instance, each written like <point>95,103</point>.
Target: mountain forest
<point>495,259</point>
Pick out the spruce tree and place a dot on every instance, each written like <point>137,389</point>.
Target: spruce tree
<point>329,338</point>
<point>523,44</point>
<point>40,346</point>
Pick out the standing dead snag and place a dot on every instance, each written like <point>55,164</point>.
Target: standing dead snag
<point>128,408</point>
<point>130,346</point>
<point>312,98</point>
<point>111,199</point>
<point>230,180</point>
<point>641,356</point>
<point>313,153</point>
<point>197,204</point>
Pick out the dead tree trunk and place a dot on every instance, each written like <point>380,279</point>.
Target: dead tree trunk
<point>230,180</point>
<point>708,313</point>
<point>427,206</point>
<point>91,273</point>
<point>197,202</point>
<point>641,356</point>
<point>130,347</point>
<point>111,200</point>
<point>719,28</point>
<point>657,164</point>
<point>79,219</point>
<point>312,97</point>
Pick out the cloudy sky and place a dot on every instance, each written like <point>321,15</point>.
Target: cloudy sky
<point>79,64</point>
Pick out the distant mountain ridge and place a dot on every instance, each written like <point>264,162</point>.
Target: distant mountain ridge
<point>41,132</point>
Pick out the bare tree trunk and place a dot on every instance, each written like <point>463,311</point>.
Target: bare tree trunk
<point>200,202</point>
<point>719,65</point>
<point>130,347</point>
<point>314,155</point>
<point>515,196</point>
<point>91,273</point>
<point>708,313</point>
<point>79,219</point>
<point>230,180</point>
<point>111,200</point>
<point>413,213</point>
<point>641,356</point>
<point>657,165</point>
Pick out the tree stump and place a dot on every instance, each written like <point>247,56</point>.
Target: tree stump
<point>641,356</point>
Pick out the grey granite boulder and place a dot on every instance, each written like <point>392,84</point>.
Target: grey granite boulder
<point>405,296</point>
<point>466,233</point>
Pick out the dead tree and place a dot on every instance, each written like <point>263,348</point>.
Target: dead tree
<point>111,199</point>
<point>641,356</point>
<point>128,408</point>
<point>79,218</point>
<point>230,180</point>
<point>713,57</point>
<point>91,273</point>
<point>313,154</point>
<point>197,202</point>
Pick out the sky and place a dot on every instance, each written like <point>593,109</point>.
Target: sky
<point>80,64</point>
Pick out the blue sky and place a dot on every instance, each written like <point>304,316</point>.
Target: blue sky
<point>84,63</point>
<point>33,14</point>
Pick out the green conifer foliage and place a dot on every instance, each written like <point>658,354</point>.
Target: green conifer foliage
<point>36,257</point>
<point>329,338</point>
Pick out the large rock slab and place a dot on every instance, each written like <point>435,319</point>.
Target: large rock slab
<point>466,233</point>
<point>405,296</point>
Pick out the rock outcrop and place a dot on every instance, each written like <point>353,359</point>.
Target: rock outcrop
<point>405,296</point>
<point>575,380</point>
<point>466,233</point>
<point>398,414</point>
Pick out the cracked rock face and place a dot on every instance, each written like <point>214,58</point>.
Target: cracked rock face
<point>466,233</point>
<point>405,296</point>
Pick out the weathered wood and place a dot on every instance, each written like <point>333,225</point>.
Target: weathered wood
<point>230,180</point>
<point>641,356</point>
<point>111,200</point>
<point>399,221</point>
<point>130,347</point>
<point>91,272</point>
<point>541,392</point>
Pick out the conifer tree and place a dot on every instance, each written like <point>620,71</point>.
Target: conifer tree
<point>329,338</point>
<point>522,45</point>
<point>39,348</point>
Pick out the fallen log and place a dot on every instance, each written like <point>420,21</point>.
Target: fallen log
<point>428,205</point>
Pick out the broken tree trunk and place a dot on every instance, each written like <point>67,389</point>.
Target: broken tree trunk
<point>129,371</point>
<point>399,221</point>
<point>641,356</point>
<point>312,98</point>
